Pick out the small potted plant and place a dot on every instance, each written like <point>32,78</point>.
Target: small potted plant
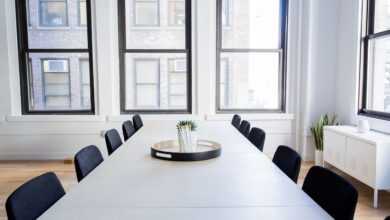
<point>318,134</point>
<point>187,136</point>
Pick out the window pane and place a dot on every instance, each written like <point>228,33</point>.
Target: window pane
<point>176,12</point>
<point>254,81</point>
<point>82,13</point>
<point>153,79</point>
<point>378,84</point>
<point>147,71</point>
<point>146,29</point>
<point>85,84</point>
<point>54,81</point>
<point>53,13</point>
<point>382,15</point>
<point>146,13</point>
<point>255,24</point>
<point>54,31</point>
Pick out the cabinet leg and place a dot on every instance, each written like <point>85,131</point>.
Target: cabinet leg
<point>375,202</point>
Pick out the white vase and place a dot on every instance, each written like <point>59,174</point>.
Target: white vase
<point>184,139</point>
<point>319,158</point>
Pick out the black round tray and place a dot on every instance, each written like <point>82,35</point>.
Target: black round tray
<point>170,150</point>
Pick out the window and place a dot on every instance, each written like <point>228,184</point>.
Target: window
<point>85,84</point>
<point>53,13</point>
<point>375,80</point>
<point>28,13</point>
<point>155,63</point>
<point>224,82</point>
<point>56,84</point>
<point>146,12</point>
<point>53,62</point>
<point>253,78</point>
<point>177,83</point>
<point>226,13</point>
<point>176,12</point>
<point>147,81</point>
<point>82,13</point>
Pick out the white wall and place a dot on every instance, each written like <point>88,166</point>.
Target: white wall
<point>349,66</point>
<point>311,84</point>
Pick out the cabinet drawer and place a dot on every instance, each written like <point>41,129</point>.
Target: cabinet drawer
<point>361,161</point>
<point>334,149</point>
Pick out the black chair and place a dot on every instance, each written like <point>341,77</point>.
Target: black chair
<point>86,160</point>
<point>257,137</point>
<point>137,121</point>
<point>34,197</point>
<point>330,191</point>
<point>236,121</point>
<point>128,130</point>
<point>245,126</point>
<point>288,161</point>
<point>113,140</point>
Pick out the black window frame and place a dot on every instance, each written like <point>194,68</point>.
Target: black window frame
<point>284,12</point>
<point>122,63</point>
<point>23,55</point>
<point>368,34</point>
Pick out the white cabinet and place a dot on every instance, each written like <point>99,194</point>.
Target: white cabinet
<point>335,150</point>
<point>362,156</point>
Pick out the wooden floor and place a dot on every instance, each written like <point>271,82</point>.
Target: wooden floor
<point>12,174</point>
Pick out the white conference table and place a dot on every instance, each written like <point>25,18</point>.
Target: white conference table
<point>241,184</point>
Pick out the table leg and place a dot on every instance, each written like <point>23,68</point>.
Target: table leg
<point>375,202</point>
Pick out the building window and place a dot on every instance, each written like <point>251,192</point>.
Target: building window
<point>28,13</point>
<point>155,64</point>
<point>226,13</point>
<point>53,13</point>
<point>51,65</point>
<point>251,55</point>
<point>375,80</point>
<point>224,82</point>
<point>85,84</point>
<point>56,78</point>
<point>147,83</point>
<point>82,13</point>
<point>176,12</point>
<point>177,83</point>
<point>146,13</point>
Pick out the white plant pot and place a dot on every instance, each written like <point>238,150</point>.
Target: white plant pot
<point>185,140</point>
<point>319,158</point>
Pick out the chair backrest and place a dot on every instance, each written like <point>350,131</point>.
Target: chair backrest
<point>86,160</point>
<point>137,121</point>
<point>236,121</point>
<point>330,191</point>
<point>128,130</point>
<point>113,140</point>
<point>257,137</point>
<point>245,126</point>
<point>289,161</point>
<point>34,197</point>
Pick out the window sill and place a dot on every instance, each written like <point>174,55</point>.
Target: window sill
<point>173,117</point>
<point>253,117</point>
<point>40,28</point>
<point>55,118</point>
